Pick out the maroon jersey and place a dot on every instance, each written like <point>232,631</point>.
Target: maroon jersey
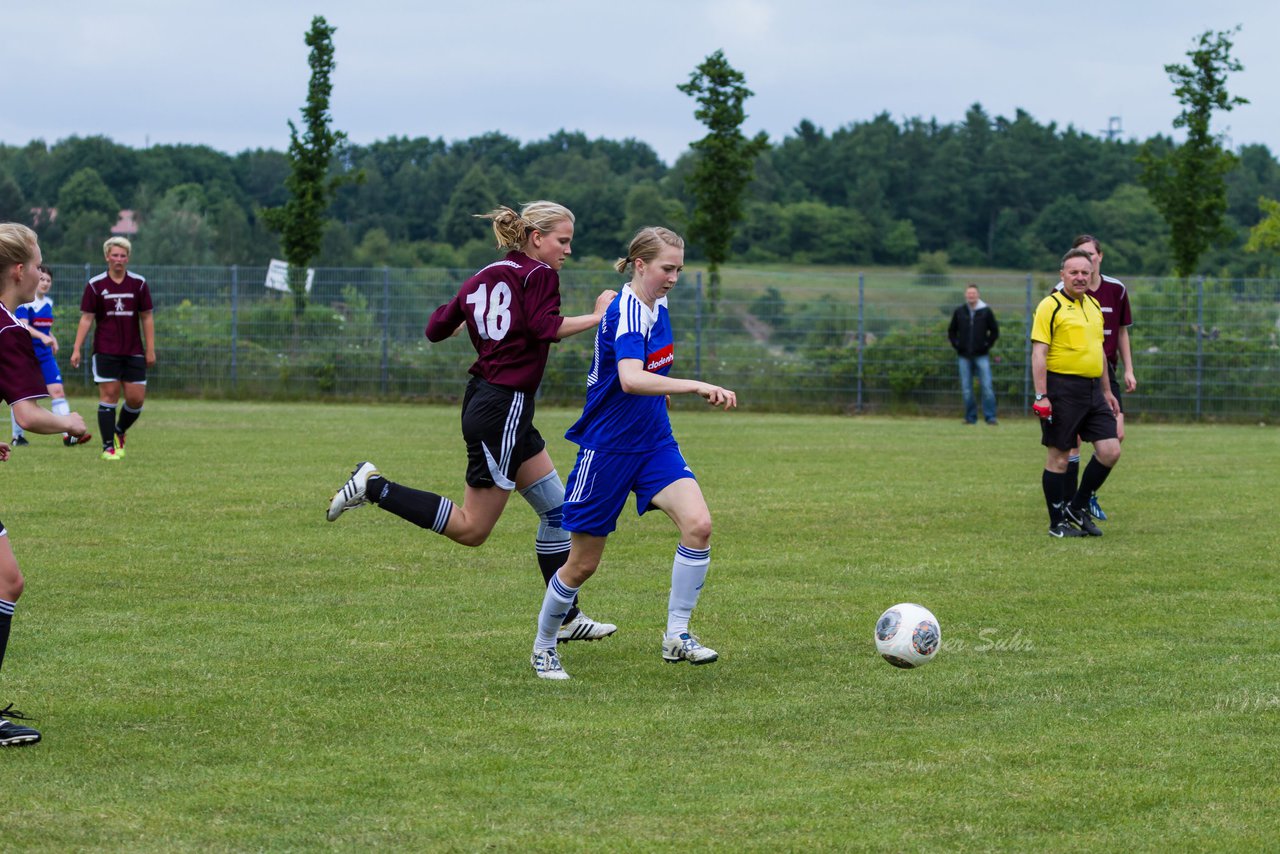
<point>1114,299</point>
<point>512,312</point>
<point>117,307</point>
<point>20,375</point>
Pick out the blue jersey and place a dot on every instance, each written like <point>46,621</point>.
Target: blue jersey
<point>613,420</point>
<point>38,314</point>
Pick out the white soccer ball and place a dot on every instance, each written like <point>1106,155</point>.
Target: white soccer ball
<point>908,635</point>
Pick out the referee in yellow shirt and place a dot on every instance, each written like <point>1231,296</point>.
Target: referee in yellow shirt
<point>1073,395</point>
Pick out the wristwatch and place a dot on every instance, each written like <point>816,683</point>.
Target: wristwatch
<point>1040,397</point>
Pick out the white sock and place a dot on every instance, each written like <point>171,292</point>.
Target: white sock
<point>17,431</point>
<point>555,605</point>
<point>61,407</point>
<point>688,572</point>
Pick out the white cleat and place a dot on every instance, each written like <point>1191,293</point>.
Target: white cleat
<point>351,495</point>
<point>546,663</point>
<point>584,628</point>
<point>685,647</point>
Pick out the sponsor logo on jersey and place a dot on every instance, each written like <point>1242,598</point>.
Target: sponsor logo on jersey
<point>661,359</point>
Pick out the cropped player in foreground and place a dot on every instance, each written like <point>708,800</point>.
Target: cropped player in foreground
<point>626,445</point>
<point>1073,395</point>
<point>117,304</point>
<point>21,385</point>
<point>37,316</point>
<point>511,309</point>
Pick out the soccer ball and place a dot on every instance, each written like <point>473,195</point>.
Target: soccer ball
<point>908,635</point>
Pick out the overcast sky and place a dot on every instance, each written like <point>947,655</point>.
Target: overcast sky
<point>229,74</point>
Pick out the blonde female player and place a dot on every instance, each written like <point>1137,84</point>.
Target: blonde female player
<point>626,445</point>
<point>21,385</point>
<point>511,309</point>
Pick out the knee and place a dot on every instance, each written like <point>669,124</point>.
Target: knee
<point>12,583</point>
<point>575,573</point>
<point>696,532</point>
<point>1110,455</point>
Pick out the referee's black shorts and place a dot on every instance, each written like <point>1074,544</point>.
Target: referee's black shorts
<point>1079,409</point>
<point>497,425</point>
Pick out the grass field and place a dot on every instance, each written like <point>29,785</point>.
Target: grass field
<point>215,667</point>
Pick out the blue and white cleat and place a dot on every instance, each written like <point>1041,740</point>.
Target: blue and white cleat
<point>546,663</point>
<point>1094,510</point>
<point>686,647</point>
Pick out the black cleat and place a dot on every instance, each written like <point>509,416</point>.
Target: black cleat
<point>14,735</point>
<point>1065,529</point>
<point>19,441</point>
<point>1082,520</point>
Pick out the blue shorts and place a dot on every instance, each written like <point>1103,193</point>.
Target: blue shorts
<point>598,485</point>
<point>49,367</point>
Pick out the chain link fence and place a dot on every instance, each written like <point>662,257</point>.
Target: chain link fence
<point>785,341</point>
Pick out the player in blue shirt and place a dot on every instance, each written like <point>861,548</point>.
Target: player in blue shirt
<point>626,445</point>
<point>37,316</point>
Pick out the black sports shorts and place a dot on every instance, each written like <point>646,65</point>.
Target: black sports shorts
<point>1115,386</point>
<point>497,425</point>
<point>1079,409</point>
<point>128,369</point>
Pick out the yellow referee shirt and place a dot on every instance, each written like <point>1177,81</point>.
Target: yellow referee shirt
<point>1074,332</point>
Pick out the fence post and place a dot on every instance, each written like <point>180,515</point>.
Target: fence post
<point>1199,345</point>
<point>386,325</point>
<point>862,337</point>
<point>1028,316</point>
<point>235,323</point>
<point>697,326</point>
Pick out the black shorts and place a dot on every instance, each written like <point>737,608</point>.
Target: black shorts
<point>127,369</point>
<point>1115,386</point>
<point>497,425</point>
<point>1079,410</point>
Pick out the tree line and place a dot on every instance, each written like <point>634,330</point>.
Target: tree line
<point>987,191</point>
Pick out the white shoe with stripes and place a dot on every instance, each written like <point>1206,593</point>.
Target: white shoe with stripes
<point>352,495</point>
<point>584,628</point>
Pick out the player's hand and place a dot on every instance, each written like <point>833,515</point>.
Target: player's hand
<point>1112,402</point>
<point>716,396</point>
<point>52,344</point>
<point>76,427</point>
<point>4,452</point>
<point>1043,408</point>
<point>603,301</point>
<point>1130,381</point>
<point>75,358</point>
<point>151,359</point>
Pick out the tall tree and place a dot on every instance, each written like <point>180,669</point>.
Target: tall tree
<point>300,220</point>
<point>725,161</point>
<point>1188,183</point>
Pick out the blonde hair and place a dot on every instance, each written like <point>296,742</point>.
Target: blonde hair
<point>646,245</point>
<point>17,245</point>
<point>122,242</point>
<point>512,229</point>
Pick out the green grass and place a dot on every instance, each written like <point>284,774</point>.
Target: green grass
<point>214,667</point>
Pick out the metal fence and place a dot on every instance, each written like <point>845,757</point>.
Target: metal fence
<point>794,341</point>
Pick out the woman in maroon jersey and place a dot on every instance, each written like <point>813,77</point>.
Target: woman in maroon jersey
<point>511,310</point>
<point>21,385</point>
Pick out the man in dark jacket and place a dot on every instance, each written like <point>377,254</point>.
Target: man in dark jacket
<point>973,331</point>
